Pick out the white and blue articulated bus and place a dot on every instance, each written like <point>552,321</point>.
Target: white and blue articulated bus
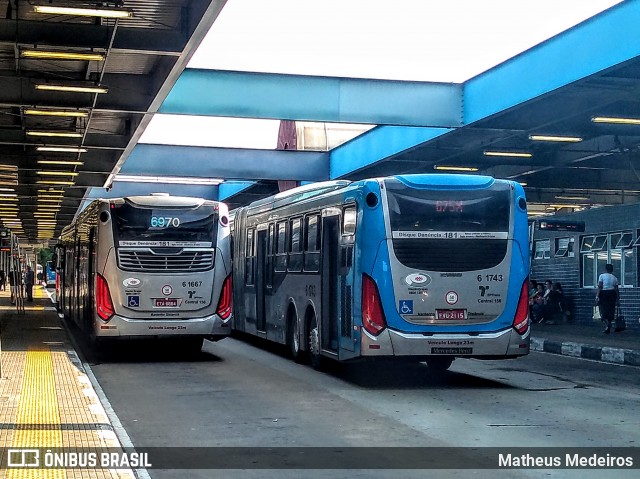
<point>427,267</point>
<point>148,266</point>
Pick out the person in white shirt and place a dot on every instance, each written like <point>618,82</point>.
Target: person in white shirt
<point>607,296</point>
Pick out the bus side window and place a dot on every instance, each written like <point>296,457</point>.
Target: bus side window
<point>250,256</point>
<point>281,246</point>
<point>270,254</point>
<point>312,243</point>
<point>295,245</point>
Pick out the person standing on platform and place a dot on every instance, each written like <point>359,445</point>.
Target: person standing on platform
<point>14,284</point>
<point>3,280</point>
<point>29,280</point>
<point>607,296</point>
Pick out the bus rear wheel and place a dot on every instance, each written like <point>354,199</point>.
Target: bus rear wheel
<point>439,365</point>
<point>294,339</point>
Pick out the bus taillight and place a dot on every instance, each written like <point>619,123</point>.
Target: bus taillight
<point>373,320</point>
<point>225,303</point>
<point>521,320</point>
<point>104,305</point>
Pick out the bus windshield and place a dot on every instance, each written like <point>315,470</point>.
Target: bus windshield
<point>471,213</point>
<point>138,226</point>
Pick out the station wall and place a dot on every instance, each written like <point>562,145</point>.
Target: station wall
<point>576,259</point>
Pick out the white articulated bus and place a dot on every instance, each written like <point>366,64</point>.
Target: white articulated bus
<point>154,265</point>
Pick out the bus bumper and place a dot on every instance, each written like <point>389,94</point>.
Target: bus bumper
<point>208,326</point>
<point>498,344</point>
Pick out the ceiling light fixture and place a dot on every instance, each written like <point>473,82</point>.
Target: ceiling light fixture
<point>52,191</point>
<point>572,198</point>
<point>71,88</point>
<point>60,134</point>
<point>8,168</point>
<point>60,162</point>
<point>84,12</point>
<point>57,55</point>
<point>455,168</point>
<point>616,120</point>
<point>51,182</point>
<point>514,154</point>
<point>58,173</point>
<point>62,149</point>
<point>65,113</point>
<point>566,139</point>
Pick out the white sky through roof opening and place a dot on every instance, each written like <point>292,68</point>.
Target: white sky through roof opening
<point>417,40</point>
<point>421,40</point>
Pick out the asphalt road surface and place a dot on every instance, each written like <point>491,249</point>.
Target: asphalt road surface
<point>242,394</point>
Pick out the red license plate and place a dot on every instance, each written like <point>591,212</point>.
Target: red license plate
<point>451,313</point>
<point>166,303</point>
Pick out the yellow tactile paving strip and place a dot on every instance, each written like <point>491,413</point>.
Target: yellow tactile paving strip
<point>46,399</point>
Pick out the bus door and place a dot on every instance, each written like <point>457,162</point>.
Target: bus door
<point>330,260</point>
<point>346,279</point>
<point>261,279</point>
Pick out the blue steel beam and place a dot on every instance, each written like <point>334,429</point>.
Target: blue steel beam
<point>120,189</point>
<point>602,42</point>
<point>377,144</point>
<point>237,163</point>
<point>231,188</point>
<point>298,97</point>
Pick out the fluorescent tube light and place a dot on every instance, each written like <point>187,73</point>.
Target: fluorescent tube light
<point>60,134</point>
<point>65,113</point>
<point>508,154</point>
<point>51,182</point>
<point>60,162</point>
<point>57,173</point>
<point>566,139</point>
<point>572,198</point>
<point>62,149</point>
<point>455,168</point>
<point>71,88</point>
<point>616,120</point>
<point>54,55</point>
<point>84,12</point>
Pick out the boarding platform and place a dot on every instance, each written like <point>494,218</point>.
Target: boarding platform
<point>47,399</point>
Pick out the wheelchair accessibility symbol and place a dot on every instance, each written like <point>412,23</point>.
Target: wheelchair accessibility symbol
<point>133,301</point>
<point>406,306</point>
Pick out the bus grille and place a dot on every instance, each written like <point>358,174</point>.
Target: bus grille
<point>148,261</point>
<point>450,256</point>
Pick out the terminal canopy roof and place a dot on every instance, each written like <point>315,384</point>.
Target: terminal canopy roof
<point>236,100</point>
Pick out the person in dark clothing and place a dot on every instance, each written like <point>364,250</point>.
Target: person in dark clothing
<point>14,284</point>
<point>607,296</point>
<point>29,279</point>
<point>3,280</point>
<point>555,305</point>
